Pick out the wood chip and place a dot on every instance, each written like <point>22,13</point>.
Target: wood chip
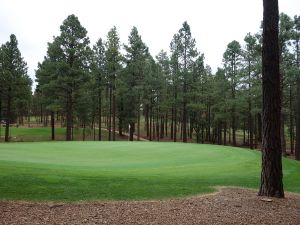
<point>245,208</point>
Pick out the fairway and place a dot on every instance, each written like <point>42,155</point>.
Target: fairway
<point>72,171</point>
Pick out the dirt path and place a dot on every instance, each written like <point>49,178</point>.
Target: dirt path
<point>229,206</point>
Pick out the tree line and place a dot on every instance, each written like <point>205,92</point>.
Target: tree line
<point>173,96</point>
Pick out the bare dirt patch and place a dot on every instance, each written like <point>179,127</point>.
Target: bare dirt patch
<point>229,206</point>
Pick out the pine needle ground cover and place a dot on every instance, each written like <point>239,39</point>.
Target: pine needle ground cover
<point>73,171</point>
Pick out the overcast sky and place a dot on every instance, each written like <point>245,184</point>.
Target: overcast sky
<point>214,23</point>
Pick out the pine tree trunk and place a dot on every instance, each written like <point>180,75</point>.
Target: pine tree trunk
<point>244,133</point>
<point>297,148</point>
<point>110,113</point>
<point>233,128</point>
<point>131,131</point>
<point>83,132</point>
<point>209,124</point>
<point>282,136</point>
<point>157,126</point>
<point>172,122</point>
<point>291,121</point>
<point>0,114</point>
<point>150,124</point>
<point>8,115</point>
<point>184,116</point>
<point>229,135</point>
<point>175,124</point>
<point>225,133</point>
<point>153,125</point>
<point>52,126</point>
<point>259,128</point>
<point>162,128</point>
<point>166,124</point>
<point>99,113</point>
<point>271,174</point>
<point>138,123</point>
<point>255,132</point>
<point>41,115</point>
<point>114,112</point>
<point>297,110</point>
<point>250,127</point>
<point>69,118</point>
<point>147,119</point>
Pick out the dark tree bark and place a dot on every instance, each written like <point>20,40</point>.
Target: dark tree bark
<point>157,125</point>
<point>172,122</point>
<point>162,127</point>
<point>42,114</point>
<point>8,115</point>
<point>297,110</point>
<point>209,124</point>
<point>147,119</point>
<point>259,128</point>
<point>99,113</point>
<point>250,120</point>
<point>83,132</point>
<point>69,118</point>
<point>184,116</point>
<point>255,132</point>
<point>52,126</point>
<point>114,110</point>
<point>244,133</point>
<point>225,133</point>
<point>131,131</point>
<point>283,143</point>
<point>110,113</point>
<point>271,174</point>
<point>0,113</point>
<point>297,148</point>
<point>150,124</point>
<point>166,124</point>
<point>291,121</point>
<point>138,123</point>
<point>175,124</point>
<point>233,121</point>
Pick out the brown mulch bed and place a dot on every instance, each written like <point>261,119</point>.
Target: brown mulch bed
<point>229,206</point>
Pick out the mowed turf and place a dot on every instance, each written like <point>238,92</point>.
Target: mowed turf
<point>72,171</point>
<point>44,134</point>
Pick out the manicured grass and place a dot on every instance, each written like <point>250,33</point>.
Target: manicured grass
<point>68,171</point>
<point>44,134</point>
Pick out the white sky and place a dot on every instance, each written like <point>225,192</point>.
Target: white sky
<point>214,23</point>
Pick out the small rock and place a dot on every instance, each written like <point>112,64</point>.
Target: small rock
<point>266,200</point>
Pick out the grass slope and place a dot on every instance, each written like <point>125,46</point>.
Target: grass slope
<point>121,170</point>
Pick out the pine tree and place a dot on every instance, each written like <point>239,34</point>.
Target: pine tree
<point>186,55</point>
<point>135,58</point>
<point>98,73</point>
<point>175,82</point>
<point>232,60</point>
<point>69,54</point>
<point>250,55</point>
<point>271,175</point>
<point>113,58</point>
<point>15,83</point>
<point>296,44</point>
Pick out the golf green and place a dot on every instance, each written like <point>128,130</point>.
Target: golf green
<point>72,171</point>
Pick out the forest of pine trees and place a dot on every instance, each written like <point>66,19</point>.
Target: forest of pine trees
<point>173,96</point>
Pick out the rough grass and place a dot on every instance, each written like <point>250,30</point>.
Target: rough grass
<point>72,171</point>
